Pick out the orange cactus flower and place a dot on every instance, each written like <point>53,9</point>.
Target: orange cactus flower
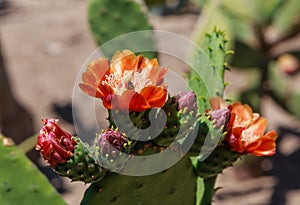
<point>246,130</point>
<point>128,82</point>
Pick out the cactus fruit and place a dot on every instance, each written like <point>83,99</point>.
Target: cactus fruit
<point>109,19</point>
<point>111,149</point>
<point>161,188</point>
<point>20,181</point>
<point>82,166</point>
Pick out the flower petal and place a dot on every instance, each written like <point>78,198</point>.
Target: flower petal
<point>235,140</point>
<point>92,78</point>
<point>217,103</point>
<point>258,128</point>
<point>130,100</point>
<point>91,91</point>
<point>266,148</point>
<point>155,96</point>
<point>98,68</point>
<point>243,114</point>
<point>125,60</point>
<point>157,74</point>
<point>149,63</point>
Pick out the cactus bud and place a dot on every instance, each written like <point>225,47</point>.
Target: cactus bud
<point>54,144</point>
<point>187,100</point>
<point>110,148</point>
<point>220,117</point>
<point>112,138</point>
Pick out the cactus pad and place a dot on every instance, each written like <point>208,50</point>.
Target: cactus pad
<point>111,18</point>
<point>221,158</point>
<point>20,181</point>
<point>176,186</point>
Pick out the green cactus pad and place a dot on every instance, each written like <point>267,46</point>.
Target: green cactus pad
<point>221,158</point>
<point>212,82</point>
<point>129,122</point>
<point>82,166</point>
<point>177,125</point>
<point>111,18</point>
<point>20,181</point>
<point>208,137</point>
<point>172,125</point>
<point>176,186</point>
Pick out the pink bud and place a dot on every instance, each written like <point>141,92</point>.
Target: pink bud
<point>220,117</point>
<point>112,138</point>
<point>188,100</point>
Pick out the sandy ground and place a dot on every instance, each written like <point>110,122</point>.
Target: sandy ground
<point>45,45</point>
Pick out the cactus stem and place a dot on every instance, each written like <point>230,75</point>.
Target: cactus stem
<point>209,184</point>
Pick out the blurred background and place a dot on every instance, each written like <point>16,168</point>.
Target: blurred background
<point>45,43</point>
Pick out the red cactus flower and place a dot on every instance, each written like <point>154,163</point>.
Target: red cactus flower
<point>246,130</point>
<point>54,144</point>
<point>129,82</point>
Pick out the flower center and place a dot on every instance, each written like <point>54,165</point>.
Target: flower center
<point>130,80</point>
<point>248,136</point>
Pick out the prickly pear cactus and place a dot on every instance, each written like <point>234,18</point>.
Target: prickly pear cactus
<point>161,188</point>
<point>111,18</point>
<point>179,184</point>
<point>20,181</point>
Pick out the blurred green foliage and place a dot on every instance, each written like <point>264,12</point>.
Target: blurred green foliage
<point>260,33</point>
